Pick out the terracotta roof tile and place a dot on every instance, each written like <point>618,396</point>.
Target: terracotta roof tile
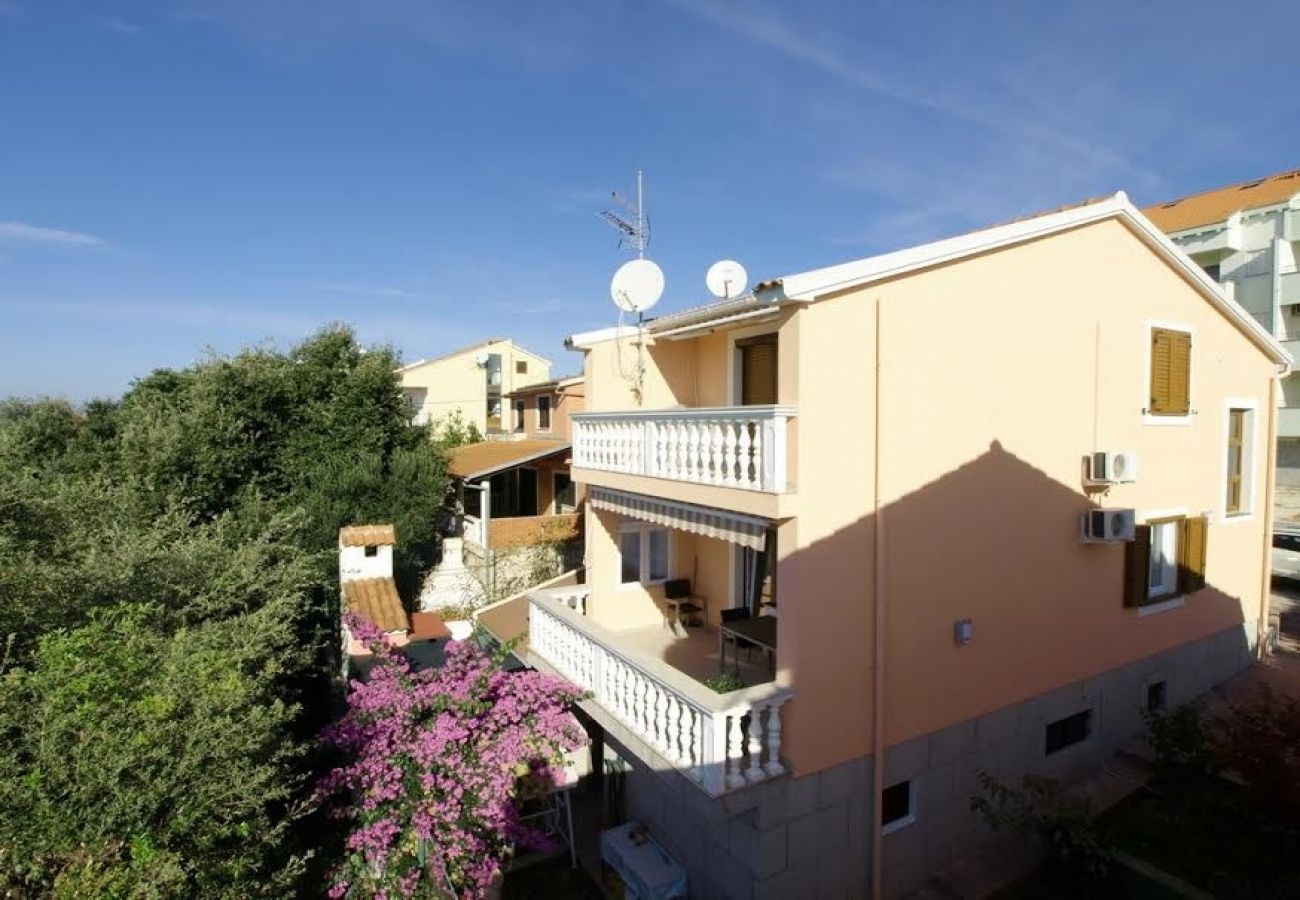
<point>367,535</point>
<point>486,457</point>
<point>1216,205</point>
<point>376,599</point>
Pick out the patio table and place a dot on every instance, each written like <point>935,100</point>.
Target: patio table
<point>760,630</point>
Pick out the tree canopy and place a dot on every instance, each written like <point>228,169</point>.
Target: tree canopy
<point>169,605</point>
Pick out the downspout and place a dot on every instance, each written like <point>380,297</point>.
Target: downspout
<point>878,657</point>
<point>1270,477</point>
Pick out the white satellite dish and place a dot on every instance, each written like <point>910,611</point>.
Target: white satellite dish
<point>637,285</point>
<point>726,279</point>
<point>481,359</point>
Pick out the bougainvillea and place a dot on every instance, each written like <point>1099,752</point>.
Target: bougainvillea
<point>436,762</point>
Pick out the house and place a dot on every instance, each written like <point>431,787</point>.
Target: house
<point>471,381</point>
<point>369,591</point>
<point>972,505</point>
<point>1245,237</point>
<point>544,410</point>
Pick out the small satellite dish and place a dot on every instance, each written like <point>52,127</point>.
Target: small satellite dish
<point>637,285</point>
<point>481,359</point>
<point>726,279</point>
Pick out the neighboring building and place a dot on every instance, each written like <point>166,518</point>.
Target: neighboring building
<point>882,470</point>
<point>544,410</point>
<point>472,381</point>
<point>1246,237</point>
<point>368,589</point>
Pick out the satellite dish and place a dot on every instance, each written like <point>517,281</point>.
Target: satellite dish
<point>481,359</point>
<point>726,279</point>
<point>637,285</point>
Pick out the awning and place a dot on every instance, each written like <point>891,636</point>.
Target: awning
<point>747,531</point>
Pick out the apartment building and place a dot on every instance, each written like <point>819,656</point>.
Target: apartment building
<point>473,382</point>
<point>1245,237</point>
<point>872,494</point>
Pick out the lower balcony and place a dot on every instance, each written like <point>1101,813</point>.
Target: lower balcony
<point>647,679</point>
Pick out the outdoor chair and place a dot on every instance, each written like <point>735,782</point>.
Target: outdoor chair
<point>680,602</point>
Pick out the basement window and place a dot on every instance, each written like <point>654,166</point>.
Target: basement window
<point>1067,732</point>
<point>1157,696</point>
<point>897,809</point>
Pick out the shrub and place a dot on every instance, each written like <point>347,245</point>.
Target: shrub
<point>436,761</point>
<point>1042,810</point>
<point>1182,744</point>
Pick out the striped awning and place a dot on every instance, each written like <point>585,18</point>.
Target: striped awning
<point>747,531</point>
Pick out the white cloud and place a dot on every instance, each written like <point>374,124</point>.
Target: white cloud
<point>22,232</point>
<point>371,290</point>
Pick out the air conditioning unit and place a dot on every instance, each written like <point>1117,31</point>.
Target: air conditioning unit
<point>1114,467</point>
<point>1107,526</point>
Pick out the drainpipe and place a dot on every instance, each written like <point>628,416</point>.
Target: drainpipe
<point>878,657</point>
<point>1270,477</point>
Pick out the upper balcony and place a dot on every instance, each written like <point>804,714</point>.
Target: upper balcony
<point>742,447</point>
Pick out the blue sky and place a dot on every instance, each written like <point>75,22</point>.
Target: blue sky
<point>214,173</point>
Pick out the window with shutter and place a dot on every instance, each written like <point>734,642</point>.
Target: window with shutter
<point>1165,559</point>
<point>1171,377</point>
<point>757,370</point>
<point>1239,461</point>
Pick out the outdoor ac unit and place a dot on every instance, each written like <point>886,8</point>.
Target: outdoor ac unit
<point>1114,466</point>
<point>1107,526</point>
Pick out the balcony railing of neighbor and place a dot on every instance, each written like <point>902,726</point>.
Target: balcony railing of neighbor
<point>720,741</point>
<point>731,446</point>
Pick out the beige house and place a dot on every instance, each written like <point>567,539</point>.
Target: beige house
<point>543,411</point>
<point>913,583</point>
<point>472,381</point>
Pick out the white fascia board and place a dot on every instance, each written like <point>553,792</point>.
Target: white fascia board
<point>586,339</point>
<point>818,282</point>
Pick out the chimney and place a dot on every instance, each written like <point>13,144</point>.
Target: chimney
<point>366,551</point>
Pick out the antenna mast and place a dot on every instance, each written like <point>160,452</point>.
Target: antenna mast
<point>634,227</point>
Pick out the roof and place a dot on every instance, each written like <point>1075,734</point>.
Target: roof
<point>367,535</point>
<point>507,621</point>
<point>470,349</point>
<point>376,599</point>
<point>554,384</point>
<point>487,457</point>
<point>806,287</point>
<point>1215,205</point>
<point>428,626</point>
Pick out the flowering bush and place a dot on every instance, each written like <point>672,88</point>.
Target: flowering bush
<point>438,759</point>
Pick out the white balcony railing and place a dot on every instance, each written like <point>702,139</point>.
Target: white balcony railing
<point>720,741</point>
<point>731,446</point>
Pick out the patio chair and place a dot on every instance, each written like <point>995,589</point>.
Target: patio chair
<point>738,643</point>
<point>679,600</point>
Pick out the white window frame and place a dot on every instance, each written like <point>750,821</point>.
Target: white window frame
<point>1147,417</point>
<point>910,818</point>
<point>1249,460</point>
<point>550,412</point>
<point>644,529</point>
<point>1176,599</point>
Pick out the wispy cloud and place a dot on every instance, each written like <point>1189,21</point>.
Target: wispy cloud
<point>371,290</point>
<point>22,232</point>
<point>117,26</point>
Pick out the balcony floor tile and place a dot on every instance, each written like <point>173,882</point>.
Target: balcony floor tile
<point>694,652</point>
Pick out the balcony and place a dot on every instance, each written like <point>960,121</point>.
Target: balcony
<point>1288,422</point>
<point>741,447</point>
<point>721,742</point>
<point>1289,288</point>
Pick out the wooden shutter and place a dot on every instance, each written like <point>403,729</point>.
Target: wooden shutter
<point>1236,459</point>
<point>1137,566</point>
<point>1171,364</point>
<point>758,370</point>
<point>1191,554</point>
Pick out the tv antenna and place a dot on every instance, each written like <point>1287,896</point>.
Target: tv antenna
<point>632,224</point>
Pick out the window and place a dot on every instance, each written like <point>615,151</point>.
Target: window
<point>1165,559</point>
<point>519,415</point>
<point>372,551</point>
<point>646,554</point>
<point>1171,364</point>
<point>896,808</point>
<point>1067,732</point>
<point>521,367</point>
<point>1240,432</point>
<point>1156,696</point>
<point>1213,270</point>
<point>543,413</point>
